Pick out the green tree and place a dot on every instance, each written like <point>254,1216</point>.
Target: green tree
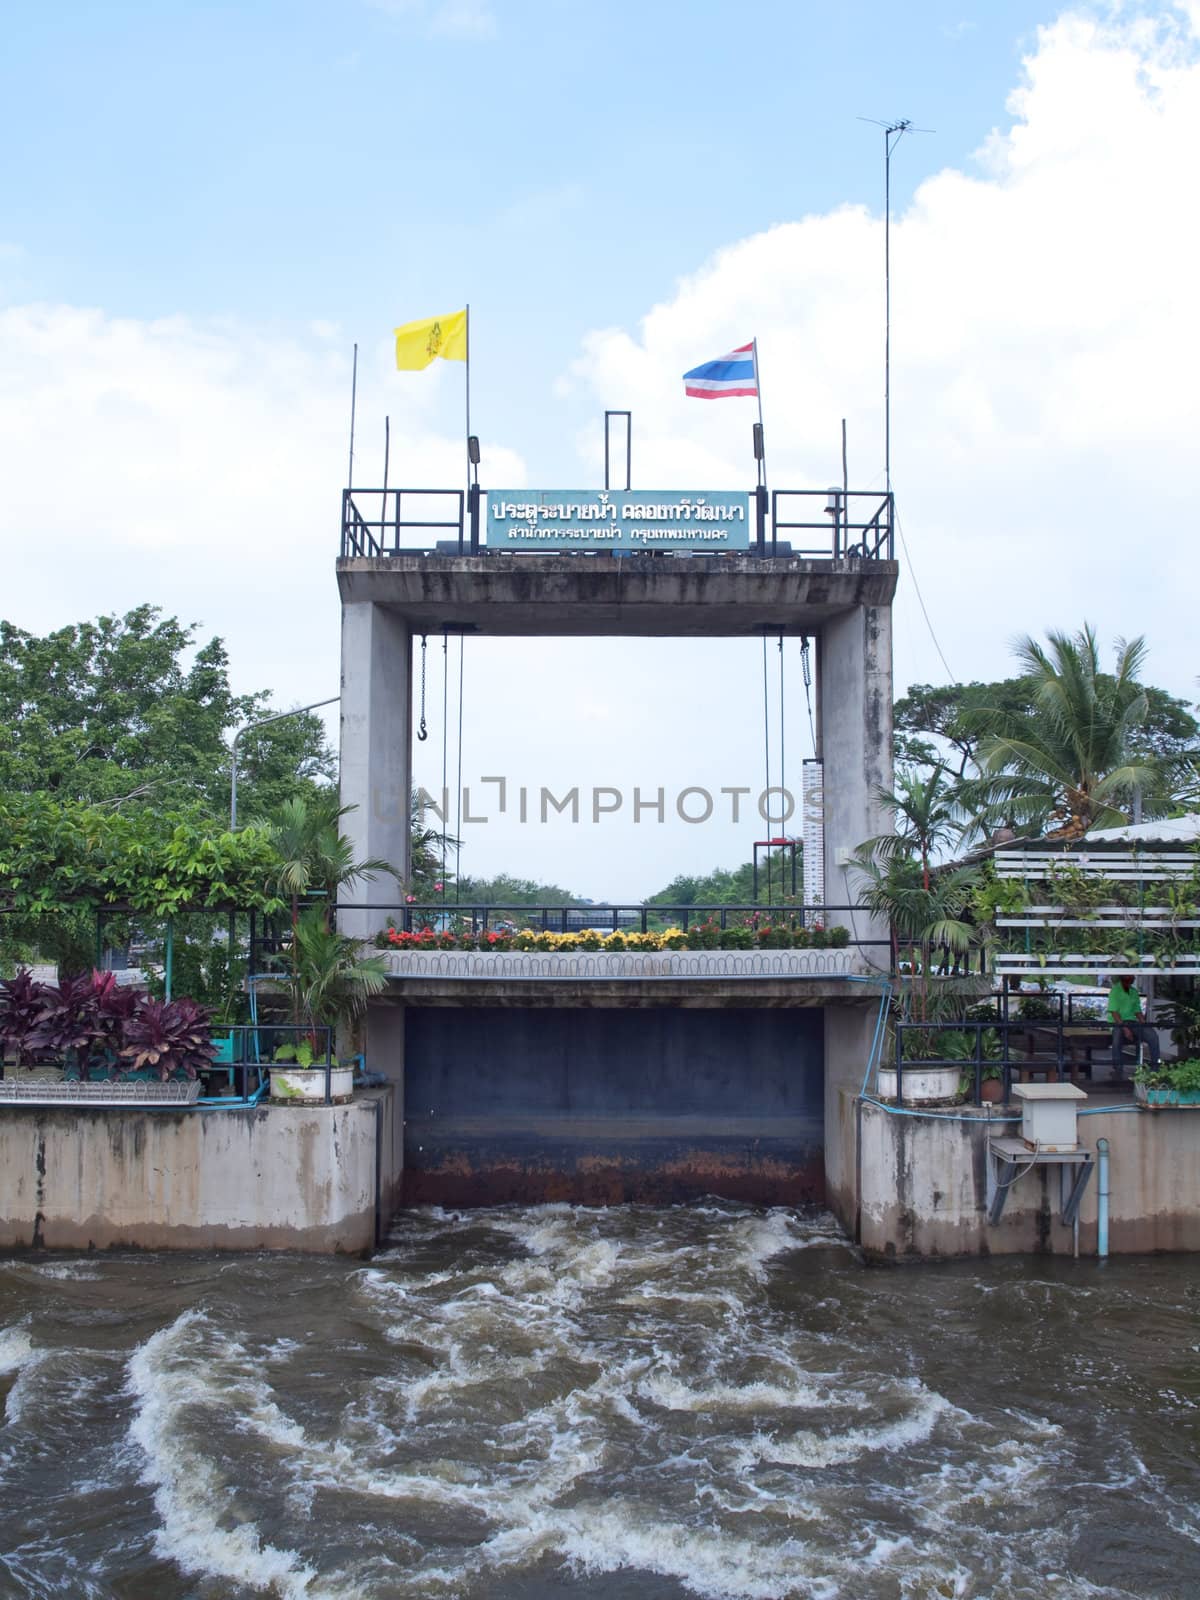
<point>725,886</point>
<point>1075,762</point>
<point>926,813</point>
<point>132,708</point>
<point>505,890</point>
<point>944,725</point>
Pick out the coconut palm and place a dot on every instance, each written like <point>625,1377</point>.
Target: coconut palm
<point>1069,764</point>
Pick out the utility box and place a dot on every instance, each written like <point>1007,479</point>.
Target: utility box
<point>1048,1115</point>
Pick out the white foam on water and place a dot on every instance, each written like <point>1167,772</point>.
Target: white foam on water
<point>16,1348</point>
<point>709,1562</point>
<point>674,1395</point>
<point>19,1354</point>
<point>806,1448</point>
<point>70,1271</point>
<point>168,1375</point>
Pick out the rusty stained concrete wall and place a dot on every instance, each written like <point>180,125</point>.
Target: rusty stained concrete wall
<point>923,1187</point>
<point>603,1105</point>
<point>283,1177</point>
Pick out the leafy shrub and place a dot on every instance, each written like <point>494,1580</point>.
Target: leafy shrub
<point>171,1037</point>
<point>20,1009</point>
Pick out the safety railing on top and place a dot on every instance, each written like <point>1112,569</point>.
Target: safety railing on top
<point>611,917</point>
<point>394,522</point>
<point>815,524</point>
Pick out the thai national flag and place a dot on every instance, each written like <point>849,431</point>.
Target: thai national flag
<point>732,375</point>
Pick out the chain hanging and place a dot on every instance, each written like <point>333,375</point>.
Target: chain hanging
<point>422,730</point>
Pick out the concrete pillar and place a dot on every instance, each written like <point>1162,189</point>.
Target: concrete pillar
<point>854,687</point>
<point>376,753</point>
<point>385,1053</point>
<point>849,1033</point>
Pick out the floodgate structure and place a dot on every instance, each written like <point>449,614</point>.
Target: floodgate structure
<point>602,1077</point>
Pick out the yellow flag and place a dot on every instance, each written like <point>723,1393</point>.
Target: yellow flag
<point>418,342</point>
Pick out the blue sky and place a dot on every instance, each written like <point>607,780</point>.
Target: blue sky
<point>203,207</point>
<point>558,164</point>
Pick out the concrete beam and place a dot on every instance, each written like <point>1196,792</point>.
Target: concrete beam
<point>606,595</point>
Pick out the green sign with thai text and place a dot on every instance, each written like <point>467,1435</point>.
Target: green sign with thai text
<point>612,519</point>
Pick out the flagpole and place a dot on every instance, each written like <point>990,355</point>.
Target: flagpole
<point>468,396</point>
<point>758,392</point>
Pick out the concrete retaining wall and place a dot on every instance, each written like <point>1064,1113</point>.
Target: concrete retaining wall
<point>923,1185</point>
<point>286,1177</point>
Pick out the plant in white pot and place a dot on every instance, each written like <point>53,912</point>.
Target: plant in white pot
<point>329,983</point>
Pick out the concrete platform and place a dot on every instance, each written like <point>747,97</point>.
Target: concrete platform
<point>316,1178</point>
<point>605,595</point>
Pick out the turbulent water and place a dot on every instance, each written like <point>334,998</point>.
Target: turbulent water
<point>564,1404</point>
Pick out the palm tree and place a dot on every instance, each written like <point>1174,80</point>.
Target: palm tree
<point>316,858</point>
<point>926,810</point>
<point>1069,763</point>
<point>331,980</point>
<point>925,911</point>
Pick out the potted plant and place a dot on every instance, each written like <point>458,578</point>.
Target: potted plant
<point>329,982</point>
<point>1169,1087</point>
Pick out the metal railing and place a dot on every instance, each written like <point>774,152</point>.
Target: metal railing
<point>254,1047</point>
<point>815,524</point>
<point>850,524</point>
<point>972,1065</point>
<point>1052,1031</point>
<point>396,522</point>
<point>611,917</point>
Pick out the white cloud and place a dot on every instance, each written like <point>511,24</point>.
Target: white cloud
<point>197,466</point>
<point>1045,340</point>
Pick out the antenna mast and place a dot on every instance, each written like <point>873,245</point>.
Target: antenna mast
<point>892,134</point>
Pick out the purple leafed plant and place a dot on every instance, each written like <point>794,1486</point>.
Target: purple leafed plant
<point>116,1004</point>
<point>68,1024</point>
<point>20,1010</point>
<point>169,1037</point>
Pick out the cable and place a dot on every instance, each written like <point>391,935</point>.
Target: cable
<point>782,743</point>
<point>459,789</point>
<point>767,757</point>
<point>445,744</point>
<point>806,669</point>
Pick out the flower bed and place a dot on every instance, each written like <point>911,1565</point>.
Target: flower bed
<point>708,935</point>
<point>410,962</point>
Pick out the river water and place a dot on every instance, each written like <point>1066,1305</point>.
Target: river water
<point>569,1404</point>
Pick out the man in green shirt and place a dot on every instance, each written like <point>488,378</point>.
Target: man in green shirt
<point>1128,1025</point>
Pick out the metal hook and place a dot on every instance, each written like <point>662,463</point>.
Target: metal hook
<point>422,730</point>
